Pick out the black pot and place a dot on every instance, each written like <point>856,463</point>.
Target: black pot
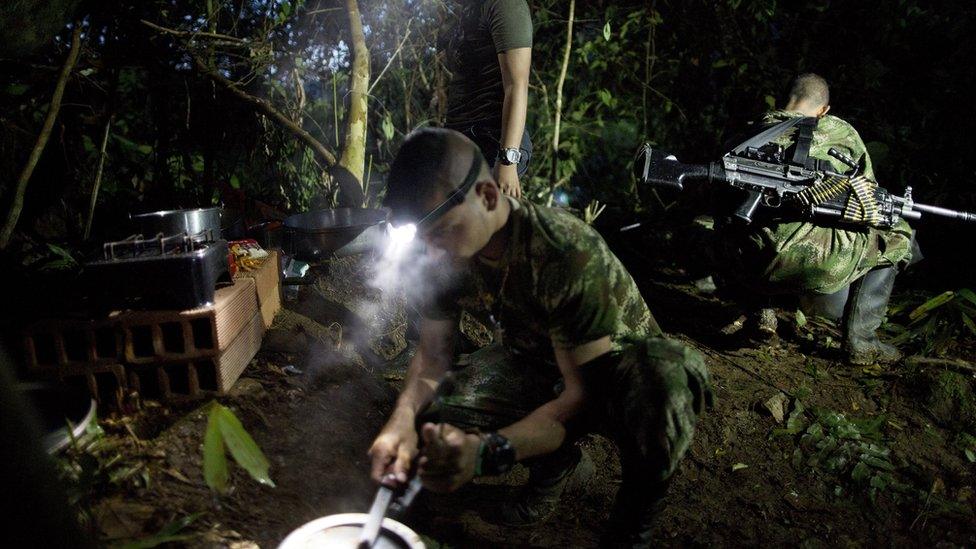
<point>316,235</point>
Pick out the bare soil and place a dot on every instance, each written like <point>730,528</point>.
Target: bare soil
<point>743,482</point>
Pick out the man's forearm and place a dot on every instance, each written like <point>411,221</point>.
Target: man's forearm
<point>543,431</point>
<point>423,375</point>
<point>513,114</point>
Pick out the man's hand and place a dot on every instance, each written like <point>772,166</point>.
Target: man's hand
<point>508,180</point>
<point>449,457</point>
<point>394,448</point>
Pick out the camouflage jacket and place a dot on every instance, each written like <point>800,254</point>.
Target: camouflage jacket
<point>787,257</point>
<point>831,131</point>
<point>557,283</point>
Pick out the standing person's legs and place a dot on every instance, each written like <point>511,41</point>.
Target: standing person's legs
<point>651,401</point>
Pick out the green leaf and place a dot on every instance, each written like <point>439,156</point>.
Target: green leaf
<point>606,31</point>
<point>16,89</point>
<point>968,322</point>
<point>967,294</point>
<point>801,319</point>
<point>770,101</point>
<point>167,534</point>
<point>970,455</point>
<point>177,525</point>
<point>214,459</point>
<point>387,127</point>
<point>605,97</point>
<point>931,305</point>
<point>235,182</point>
<point>719,64</point>
<point>153,541</point>
<point>242,447</point>
<point>861,472</point>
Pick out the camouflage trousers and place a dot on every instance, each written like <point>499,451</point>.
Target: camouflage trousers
<point>798,257</point>
<point>646,398</point>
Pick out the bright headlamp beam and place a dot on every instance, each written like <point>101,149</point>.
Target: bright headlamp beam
<point>399,239</point>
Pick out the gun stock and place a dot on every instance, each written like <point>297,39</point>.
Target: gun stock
<point>660,169</point>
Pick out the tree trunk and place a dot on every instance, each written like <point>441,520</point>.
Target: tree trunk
<point>353,157</point>
<point>52,113</point>
<point>553,174</point>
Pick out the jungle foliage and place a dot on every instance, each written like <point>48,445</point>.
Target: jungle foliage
<point>684,75</point>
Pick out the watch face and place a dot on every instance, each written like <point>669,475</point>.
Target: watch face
<point>511,156</point>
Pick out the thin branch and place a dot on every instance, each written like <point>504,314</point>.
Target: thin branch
<point>52,113</point>
<point>553,174</point>
<point>98,177</point>
<point>392,57</point>
<point>196,34</point>
<point>268,110</point>
<point>957,364</point>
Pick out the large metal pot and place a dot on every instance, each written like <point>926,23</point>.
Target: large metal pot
<point>194,222</point>
<point>59,409</point>
<point>344,530</point>
<point>318,234</point>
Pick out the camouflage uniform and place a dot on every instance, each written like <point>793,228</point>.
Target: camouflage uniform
<point>799,256</point>
<point>558,282</point>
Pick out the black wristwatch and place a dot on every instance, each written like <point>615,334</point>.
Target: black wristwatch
<point>509,156</point>
<point>496,455</point>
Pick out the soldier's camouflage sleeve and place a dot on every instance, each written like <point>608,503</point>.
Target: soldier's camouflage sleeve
<point>588,294</point>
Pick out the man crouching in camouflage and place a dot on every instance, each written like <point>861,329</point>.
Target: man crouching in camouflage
<point>841,272</point>
<point>579,350</point>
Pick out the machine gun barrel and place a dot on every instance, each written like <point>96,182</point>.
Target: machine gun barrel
<point>968,217</point>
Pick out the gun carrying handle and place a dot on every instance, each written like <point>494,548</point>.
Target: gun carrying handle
<point>748,207</point>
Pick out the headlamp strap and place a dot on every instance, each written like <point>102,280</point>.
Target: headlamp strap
<point>457,196</point>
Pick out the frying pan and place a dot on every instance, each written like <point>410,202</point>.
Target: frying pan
<point>316,235</point>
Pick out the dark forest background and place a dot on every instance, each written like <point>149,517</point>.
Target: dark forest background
<point>684,75</point>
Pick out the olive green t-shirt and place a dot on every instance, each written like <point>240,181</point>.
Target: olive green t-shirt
<point>557,283</point>
<point>485,29</point>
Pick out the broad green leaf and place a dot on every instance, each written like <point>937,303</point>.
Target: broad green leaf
<point>719,64</point>
<point>770,101</point>
<point>242,447</point>
<point>606,31</point>
<point>967,294</point>
<point>970,455</point>
<point>235,182</point>
<point>931,304</point>
<point>214,459</point>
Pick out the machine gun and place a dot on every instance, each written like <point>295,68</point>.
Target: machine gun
<point>806,190</point>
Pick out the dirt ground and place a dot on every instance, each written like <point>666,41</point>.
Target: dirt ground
<point>799,448</point>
